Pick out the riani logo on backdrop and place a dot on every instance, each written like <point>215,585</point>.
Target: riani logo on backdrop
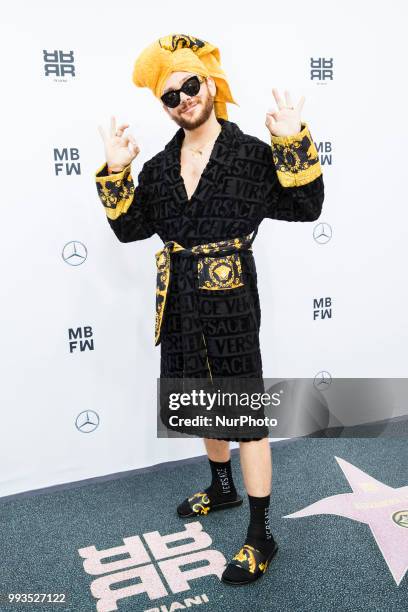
<point>66,161</point>
<point>83,344</point>
<point>321,70</point>
<point>59,65</point>
<point>153,568</point>
<point>322,308</point>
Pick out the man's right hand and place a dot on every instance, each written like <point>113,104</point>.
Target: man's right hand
<point>120,149</point>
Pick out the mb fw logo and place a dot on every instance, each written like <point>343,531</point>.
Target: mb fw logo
<point>80,339</point>
<point>66,161</point>
<point>322,308</point>
<point>155,566</point>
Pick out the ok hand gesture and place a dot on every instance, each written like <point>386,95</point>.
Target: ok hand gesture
<point>285,121</point>
<point>120,149</point>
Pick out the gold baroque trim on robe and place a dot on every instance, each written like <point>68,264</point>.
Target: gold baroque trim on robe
<point>115,190</point>
<point>163,268</point>
<point>296,158</point>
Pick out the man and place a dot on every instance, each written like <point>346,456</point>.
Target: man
<point>204,195</point>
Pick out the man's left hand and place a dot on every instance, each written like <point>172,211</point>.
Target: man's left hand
<point>285,121</point>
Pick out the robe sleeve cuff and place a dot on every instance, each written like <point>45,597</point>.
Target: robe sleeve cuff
<point>296,158</point>
<point>115,190</point>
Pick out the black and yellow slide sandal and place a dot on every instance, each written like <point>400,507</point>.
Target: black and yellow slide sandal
<point>200,503</point>
<point>252,564</point>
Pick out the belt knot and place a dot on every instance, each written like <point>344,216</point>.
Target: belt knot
<point>163,266</point>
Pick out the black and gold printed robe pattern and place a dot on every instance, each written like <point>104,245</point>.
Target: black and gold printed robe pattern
<point>207,305</point>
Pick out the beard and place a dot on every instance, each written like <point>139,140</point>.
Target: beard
<point>201,114</point>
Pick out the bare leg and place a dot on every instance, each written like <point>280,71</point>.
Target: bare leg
<point>217,450</point>
<point>256,465</point>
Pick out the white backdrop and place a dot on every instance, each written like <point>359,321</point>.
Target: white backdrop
<point>357,118</point>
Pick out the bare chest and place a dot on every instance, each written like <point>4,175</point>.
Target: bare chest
<point>191,168</point>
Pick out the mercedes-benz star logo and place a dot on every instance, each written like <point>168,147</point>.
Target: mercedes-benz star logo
<point>87,421</point>
<point>322,380</point>
<point>322,233</point>
<point>74,253</point>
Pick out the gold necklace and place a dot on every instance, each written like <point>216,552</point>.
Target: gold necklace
<point>201,149</point>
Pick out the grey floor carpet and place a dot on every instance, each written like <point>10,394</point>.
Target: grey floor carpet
<point>325,562</point>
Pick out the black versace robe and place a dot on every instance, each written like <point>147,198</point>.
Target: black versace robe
<point>211,319</point>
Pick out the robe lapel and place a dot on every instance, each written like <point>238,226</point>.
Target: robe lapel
<point>171,169</point>
<point>222,156</point>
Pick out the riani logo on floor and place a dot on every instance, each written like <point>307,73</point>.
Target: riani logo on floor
<point>154,563</point>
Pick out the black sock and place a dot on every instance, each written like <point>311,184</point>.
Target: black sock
<point>259,533</point>
<point>222,486</point>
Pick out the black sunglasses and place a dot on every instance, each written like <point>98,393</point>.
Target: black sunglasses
<point>191,87</point>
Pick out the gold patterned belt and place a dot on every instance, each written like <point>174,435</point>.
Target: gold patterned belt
<point>214,273</point>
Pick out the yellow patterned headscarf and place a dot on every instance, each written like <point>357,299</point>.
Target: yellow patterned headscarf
<point>181,52</point>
